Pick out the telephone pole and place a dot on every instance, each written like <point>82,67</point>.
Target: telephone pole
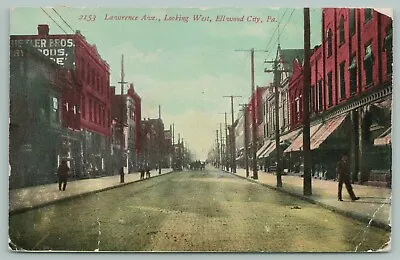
<point>219,152</point>
<point>245,109</point>
<point>122,82</point>
<point>233,144</point>
<point>277,72</point>
<point>253,114</point>
<point>222,146</point>
<point>307,188</point>
<point>160,141</point>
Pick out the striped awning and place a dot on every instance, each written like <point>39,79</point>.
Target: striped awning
<point>325,131</point>
<point>297,144</point>
<point>385,138</point>
<point>263,148</point>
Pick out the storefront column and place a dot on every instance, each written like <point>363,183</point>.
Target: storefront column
<point>354,152</point>
<point>363,173</point>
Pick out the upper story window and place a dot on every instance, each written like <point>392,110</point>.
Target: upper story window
<point>330,84</point>
<point>352,22</point>
<point>329,41</point>
<point>367,14</point>
<point>342,81</point>
<point>353,75</point>
<point>55,113</point>
<point>387,47</point>
<point>341,30</point>
<point>368,64</point>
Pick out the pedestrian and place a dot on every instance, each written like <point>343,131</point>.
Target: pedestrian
<point>148,171</point>
<point>343,172</point>
<point>62,173</point>
<point>142,172</point>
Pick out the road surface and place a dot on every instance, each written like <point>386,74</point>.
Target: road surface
<point>191,211</point>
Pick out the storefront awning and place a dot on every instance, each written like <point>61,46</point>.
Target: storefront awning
<point>297,144</point>
<point>269,150</point>
<point>325,131</point>
<point>263,148</point>
<point>385,138</point>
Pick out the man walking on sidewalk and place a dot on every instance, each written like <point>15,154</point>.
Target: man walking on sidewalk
<point>343,173</point>
<point>62,173</point>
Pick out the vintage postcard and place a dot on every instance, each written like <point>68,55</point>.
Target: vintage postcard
<point>200,129</point>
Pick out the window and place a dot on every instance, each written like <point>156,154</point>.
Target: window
<point>352,21</point>
<point>330,99</point>
<point>353,75</point>
<point>368,64</point>
<point>388,45</point>
<point>75,109</point>
<point>90,110</point>
<point>329,41</point>
<point>66,106</point>
<point>55,113</point>
<point>320,91</point>
<point>342,81</point>
<point>312,99</point>
<point>367,14</point>
<point>83,108</point>
<point>341,30</point>
<point>82,65</point>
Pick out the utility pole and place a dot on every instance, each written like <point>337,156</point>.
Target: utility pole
<point>245,109</point>
<point>233,144</point>
<point>226,144</point>
<point>173,146</point>
<point>222,146</point>
<point>277,72</point>
<point>218,151</point>
<point>160,141</point>
<point>253,109</point>
<point>122,82</point>
<point>307,188</point>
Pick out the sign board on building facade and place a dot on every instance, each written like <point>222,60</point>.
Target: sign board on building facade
<point>60,50</point>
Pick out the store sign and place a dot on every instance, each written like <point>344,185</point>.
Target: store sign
<point>59,50</point>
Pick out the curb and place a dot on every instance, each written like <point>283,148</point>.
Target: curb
<point>80,195</point>
<point>355,216</point>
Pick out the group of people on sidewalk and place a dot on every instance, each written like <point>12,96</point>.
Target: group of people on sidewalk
<point>63,171</point>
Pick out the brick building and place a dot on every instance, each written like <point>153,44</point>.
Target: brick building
<point>351,86</point>
<point>85,103</point>
<point>38,118</point>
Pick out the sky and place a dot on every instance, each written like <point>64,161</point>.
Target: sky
<point>185,67</point>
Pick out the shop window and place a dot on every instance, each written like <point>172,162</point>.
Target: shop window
<point>352,23</point>
<point>367,14</point>
<point>368,64</point>
<point>353,75</point>
<point>342,81</point>
<point>330,83</point>
<point>341,30</point>
<point>329,41</point>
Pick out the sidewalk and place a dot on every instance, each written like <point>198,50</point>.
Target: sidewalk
<point>24,199</point>
<point>374,206</point>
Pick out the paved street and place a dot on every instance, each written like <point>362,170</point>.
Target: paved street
<point>36,196</point>
<point>191,211</point>
<point>375,202</point>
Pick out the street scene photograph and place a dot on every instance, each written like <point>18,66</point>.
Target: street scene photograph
<point>200,129</point>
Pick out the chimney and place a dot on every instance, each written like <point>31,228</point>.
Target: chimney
<point>43,29</point>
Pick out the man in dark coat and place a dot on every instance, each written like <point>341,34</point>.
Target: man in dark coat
<point>62,173</point>
<point>343,172</point>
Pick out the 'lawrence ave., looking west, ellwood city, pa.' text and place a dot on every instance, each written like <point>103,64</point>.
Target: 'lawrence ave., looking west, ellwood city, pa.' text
<point>186,19</point>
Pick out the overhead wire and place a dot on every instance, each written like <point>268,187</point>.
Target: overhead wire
<point>53,20</point>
